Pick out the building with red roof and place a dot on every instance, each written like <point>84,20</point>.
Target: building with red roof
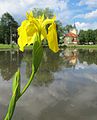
<point>71,37</point>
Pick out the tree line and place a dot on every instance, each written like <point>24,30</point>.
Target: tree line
<point>8,26</point>
<point>8,29</point>
<point>88,36</point>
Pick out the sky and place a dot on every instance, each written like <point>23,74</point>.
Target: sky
<point>81,12</point>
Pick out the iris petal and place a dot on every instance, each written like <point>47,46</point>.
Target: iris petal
<point>48,21</point>
<point>52,38</point>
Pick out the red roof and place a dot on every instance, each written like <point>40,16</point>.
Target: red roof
<point>70,34</point>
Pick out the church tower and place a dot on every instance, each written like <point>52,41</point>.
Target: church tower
<point>74,30</point>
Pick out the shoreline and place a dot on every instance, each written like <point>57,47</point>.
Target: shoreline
<point>12,47</point>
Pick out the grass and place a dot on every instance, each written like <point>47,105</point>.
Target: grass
<point>83,46</point>
<point>9,46</point>
<point>6,46</point>
<point>3,46</point>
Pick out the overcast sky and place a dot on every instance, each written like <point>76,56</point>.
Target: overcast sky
<point>81,12</point>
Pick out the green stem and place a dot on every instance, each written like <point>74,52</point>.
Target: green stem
<point>37,56</point>
<point>33,67</point>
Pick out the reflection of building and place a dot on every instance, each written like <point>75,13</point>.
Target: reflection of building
<point>71,36</point>
<point>71,56</point>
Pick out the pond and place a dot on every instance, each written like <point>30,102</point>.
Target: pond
<point>65,87</point>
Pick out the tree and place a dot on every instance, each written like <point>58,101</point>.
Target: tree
<point>90,36</point>
<point>82,37</point>
<point>8,28</point>
<point>68,27</point>
<point>85,37</point>
<point>60,31</point>
<point>1,33</point>
<point>47,12</point>
<point>95,35</point>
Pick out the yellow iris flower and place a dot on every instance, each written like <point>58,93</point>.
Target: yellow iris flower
<point>31,27</point>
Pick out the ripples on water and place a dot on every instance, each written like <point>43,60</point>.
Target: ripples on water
<point>65,87</point>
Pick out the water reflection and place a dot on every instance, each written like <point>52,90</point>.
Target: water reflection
<point>50,63</point>
<point>90,56</point>
<point>9,62</point>
<point>65,86</point>
<point>68,58</point>
<point>71,56</point>
<point>78,58</point>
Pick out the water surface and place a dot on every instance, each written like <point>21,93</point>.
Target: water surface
<point>65,87</point>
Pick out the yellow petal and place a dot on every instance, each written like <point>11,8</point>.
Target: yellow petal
<point>22,32</point>
<point>52,38</point>
<point>31,29</point>
<point>48,21</point>
<point>29,16</point>
<point>43,32</point>
<point>22,40</point>
<point>26,34</point>
<point>32,20</point>
<point>31,39</point>
<point>42,37</point>
<point>24,24</point>
<point>36,23</point>
<point>40,19</point>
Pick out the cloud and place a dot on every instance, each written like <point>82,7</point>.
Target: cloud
<point>89,15</point>
<point>19,7</point>
<point>89,3</point>
<point>92,14</point>
<point>13,7</point>
<point>85,25</point>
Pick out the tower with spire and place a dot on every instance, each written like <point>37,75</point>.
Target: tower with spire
<point>74,29</point>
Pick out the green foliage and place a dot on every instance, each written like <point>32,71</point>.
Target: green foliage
<point>39,12</point>
<point>82,37</point>
<point>16,82</point>
<point>8,29</point>
<point>60,31</point>
<point>67,28</point>
<point>15,96</point>
<point>87,37</point>
<point>95,36</point>
<point>37,55</point>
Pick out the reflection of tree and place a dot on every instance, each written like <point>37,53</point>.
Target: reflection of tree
<point>90,56</point>
<point>48,66</point>
<point>43,77</point>
<point>53,61</point>
<point>9,62</point>
<point>50,63</point>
